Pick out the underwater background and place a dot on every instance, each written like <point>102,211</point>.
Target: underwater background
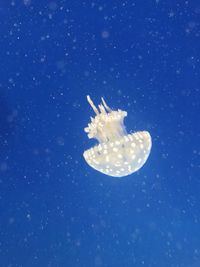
<point>142,56</point>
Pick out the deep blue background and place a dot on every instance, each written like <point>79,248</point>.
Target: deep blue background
<point>142,56</point>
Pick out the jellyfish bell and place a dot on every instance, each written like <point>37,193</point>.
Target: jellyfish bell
<point>118,154</point>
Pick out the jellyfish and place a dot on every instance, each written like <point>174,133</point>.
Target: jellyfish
<point>118,154</point>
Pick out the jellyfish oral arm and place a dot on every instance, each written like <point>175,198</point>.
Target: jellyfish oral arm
<point>107,124</point>
<point>92,105</point>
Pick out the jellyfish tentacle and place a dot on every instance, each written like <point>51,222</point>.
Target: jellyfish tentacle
<point>92,105</point>
<point>102,109</point>
<point>105,105</point>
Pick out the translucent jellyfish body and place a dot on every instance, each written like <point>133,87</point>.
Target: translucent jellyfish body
<point>118,153</point>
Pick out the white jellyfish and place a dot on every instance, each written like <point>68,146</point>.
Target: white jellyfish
<point>118,153</point>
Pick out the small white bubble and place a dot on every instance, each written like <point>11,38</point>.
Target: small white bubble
<point>105,34</point>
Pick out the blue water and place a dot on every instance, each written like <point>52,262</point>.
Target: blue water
<point>142,57</point>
